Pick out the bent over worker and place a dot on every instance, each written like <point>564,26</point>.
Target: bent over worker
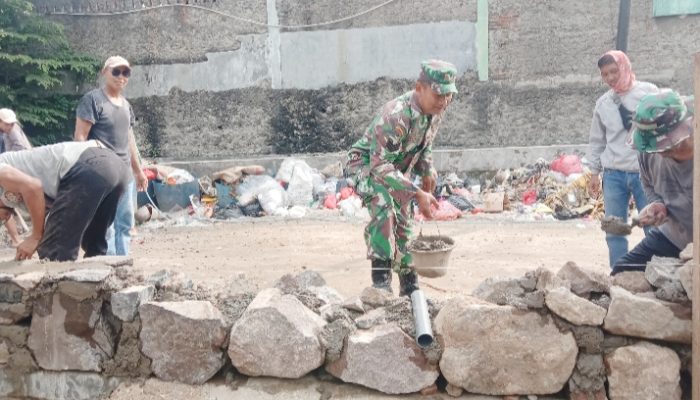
<point>83,182</point>
<point>397,144</point>
<point>663,135</point>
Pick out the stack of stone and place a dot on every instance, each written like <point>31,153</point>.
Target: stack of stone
<point>77,330</point>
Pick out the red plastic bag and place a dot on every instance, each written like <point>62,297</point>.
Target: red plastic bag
<point>151,175</point>
<point>346,192</point>
<point>529,197</point>
<point>567,164</point>
<point>330,201</point>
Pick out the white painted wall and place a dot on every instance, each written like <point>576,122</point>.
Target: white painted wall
<point>312,60</point>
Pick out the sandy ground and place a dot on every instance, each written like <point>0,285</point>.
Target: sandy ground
<point>262,250</point>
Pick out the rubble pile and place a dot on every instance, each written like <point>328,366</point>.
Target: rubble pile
<point>77,330</point>
<point>542,190</point>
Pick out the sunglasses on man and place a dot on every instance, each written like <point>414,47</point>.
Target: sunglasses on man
<point>125,72</point>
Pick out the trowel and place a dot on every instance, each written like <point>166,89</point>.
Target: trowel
<point>617,226</point>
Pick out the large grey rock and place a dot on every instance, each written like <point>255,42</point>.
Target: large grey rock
<point>172,281</point>
<point>67,334</point>
<point>384,358</point>
<point>10,292</point>
<point>184,340</point>
<point>547,280</point>
<point>632,281</point>
<point>354,304</point>
<point>14,306</point>
<point>374,297</point>
<point>15,334</point>
<point>83,284</point>
<point>11,313</point>
<point>4,353</point>
<point>685,274</point>
<point>661,271</point>
<point>499,350</point>
<point>69,385</point>
<point>643,371</point>
<point>373,318</point>
<point>673,292</point>
<point>305,280</point>
<point>499,290</point>
<point>520,293</point>
<point>583,281</point>
<point>638,316</point>
<point>125,303</point>
<point>11,383</point>
<point>88,275</point>
<point>327,294</point>
<point>574,309</point>
<point>277,336</point>
<point>589,375</point>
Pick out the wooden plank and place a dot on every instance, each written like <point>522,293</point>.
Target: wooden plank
<point>696,238</point>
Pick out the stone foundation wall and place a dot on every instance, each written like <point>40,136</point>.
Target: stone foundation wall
<point>78,330</point>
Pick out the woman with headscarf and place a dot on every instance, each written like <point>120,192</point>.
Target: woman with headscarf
<point>13,139</point>
<point>609,152</point>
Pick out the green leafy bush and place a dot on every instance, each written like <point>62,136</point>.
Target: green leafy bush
<point>36,62</point>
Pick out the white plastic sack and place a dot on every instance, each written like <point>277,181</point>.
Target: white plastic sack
<point>264,188</point>
<point>179,176</point>
<point>325,188</point>
<point>273,198</point>
<point>297,212</point>
<point>300,188</point>
<point>284,173</point>
<point>350,206</point>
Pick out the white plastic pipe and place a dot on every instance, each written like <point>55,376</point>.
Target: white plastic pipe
<point>421,318</point>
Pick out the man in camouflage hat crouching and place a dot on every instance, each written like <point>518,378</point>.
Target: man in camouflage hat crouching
<point>397,144</point>
<point>663,134</point>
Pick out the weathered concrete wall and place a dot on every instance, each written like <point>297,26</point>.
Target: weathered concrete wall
<point>210,86</point>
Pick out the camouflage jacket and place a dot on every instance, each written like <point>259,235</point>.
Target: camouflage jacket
<point>397,143</point>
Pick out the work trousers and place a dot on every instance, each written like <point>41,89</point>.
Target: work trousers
<point>654,244</point>
<point>84,206</point>
<point>389,229</point>
<point>618,187</point>
<point>119,233</point>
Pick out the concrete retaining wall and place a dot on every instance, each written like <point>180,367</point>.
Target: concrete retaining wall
<point>211,86</point>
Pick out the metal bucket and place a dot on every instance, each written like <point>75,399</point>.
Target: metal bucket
<point>432,263</point>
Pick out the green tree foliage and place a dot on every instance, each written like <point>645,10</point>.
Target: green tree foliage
<point>36,61</point>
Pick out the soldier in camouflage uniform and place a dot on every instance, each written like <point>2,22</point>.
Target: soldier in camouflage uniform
<point>397,144</point>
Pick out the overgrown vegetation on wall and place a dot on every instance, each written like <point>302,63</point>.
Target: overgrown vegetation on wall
<point>36,61</point>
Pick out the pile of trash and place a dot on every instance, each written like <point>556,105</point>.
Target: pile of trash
<point>554,190</point>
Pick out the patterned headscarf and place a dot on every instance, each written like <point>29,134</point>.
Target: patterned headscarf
<point>627,77</point>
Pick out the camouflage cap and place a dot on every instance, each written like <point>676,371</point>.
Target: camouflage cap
<point>440,75</point>
<point>657,120</point>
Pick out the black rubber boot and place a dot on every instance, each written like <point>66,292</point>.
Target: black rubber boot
<point>408,283</point>
<point>381,275</point>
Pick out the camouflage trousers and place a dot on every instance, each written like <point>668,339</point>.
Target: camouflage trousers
<point>389,230</point>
